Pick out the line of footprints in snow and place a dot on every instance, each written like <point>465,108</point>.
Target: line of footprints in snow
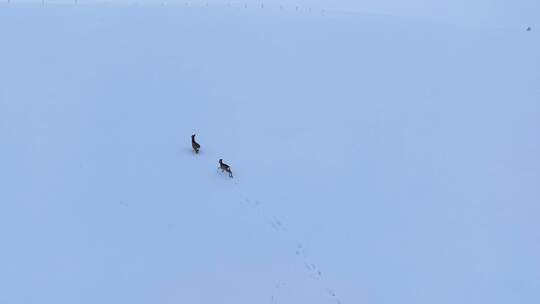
<point>277,226</point>
<point>300,251</point>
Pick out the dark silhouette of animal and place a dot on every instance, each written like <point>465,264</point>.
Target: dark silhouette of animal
<point>225,168</point>
<point>529,29</point>
<point>194,144</point>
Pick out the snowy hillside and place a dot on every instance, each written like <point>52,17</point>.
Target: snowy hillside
<point>377,159</point>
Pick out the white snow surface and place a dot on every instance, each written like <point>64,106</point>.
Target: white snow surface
<point>377,159</point>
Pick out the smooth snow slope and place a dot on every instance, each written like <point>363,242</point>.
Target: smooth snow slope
<point>376,159</point>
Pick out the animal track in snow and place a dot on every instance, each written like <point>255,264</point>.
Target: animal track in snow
<point>300,251</point>
<point>277,225</point>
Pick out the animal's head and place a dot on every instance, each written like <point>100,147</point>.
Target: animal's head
<point>220,160</point>
<point>193,136</point>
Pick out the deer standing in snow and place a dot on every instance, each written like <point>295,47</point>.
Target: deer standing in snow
<point>194,144</point>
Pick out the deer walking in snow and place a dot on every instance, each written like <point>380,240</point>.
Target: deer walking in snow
<point>225,168</point>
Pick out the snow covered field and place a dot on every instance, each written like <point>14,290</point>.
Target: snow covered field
<point>377,159</point>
